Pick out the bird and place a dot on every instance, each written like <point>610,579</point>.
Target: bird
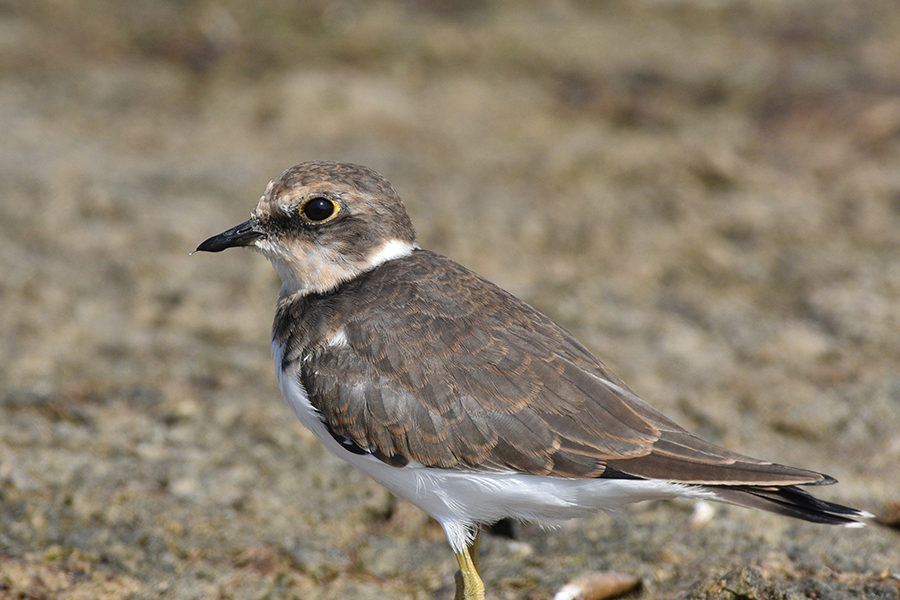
<point>456,395</point>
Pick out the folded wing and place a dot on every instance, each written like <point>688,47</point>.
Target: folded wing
<point>429,369</point>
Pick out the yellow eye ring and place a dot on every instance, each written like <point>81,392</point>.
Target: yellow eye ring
<point>318,210</point>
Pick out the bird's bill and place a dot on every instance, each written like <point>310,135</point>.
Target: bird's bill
<point>240,235</point>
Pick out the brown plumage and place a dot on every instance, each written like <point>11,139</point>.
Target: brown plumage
<point>443,367</point>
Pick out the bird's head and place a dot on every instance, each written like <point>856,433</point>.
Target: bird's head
<point>322,223</point>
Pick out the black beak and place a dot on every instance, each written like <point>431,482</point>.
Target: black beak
<point>240,235</point>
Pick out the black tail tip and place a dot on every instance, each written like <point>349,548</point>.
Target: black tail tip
<point>791,501</point>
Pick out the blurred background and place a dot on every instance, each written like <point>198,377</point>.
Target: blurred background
<point>706,192</point>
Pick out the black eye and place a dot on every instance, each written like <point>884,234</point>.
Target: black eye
<point>318,210</point>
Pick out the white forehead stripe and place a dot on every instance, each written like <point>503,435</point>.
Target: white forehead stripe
<point>390,250</point>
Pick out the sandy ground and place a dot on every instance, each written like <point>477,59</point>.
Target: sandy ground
<point>706,193</point>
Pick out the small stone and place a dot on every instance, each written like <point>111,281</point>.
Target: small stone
<point>597,586</point>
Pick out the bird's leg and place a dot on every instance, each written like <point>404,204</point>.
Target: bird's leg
<point>468,583</point>
<point>474,551</point>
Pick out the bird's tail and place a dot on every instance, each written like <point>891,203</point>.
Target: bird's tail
<point>791,501</point>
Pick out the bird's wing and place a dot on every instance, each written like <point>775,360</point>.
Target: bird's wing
<point>437,365</point>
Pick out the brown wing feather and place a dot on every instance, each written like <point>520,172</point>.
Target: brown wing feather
<point>444,368</point>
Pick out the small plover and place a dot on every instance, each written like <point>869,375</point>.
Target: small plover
<point>455,394</point>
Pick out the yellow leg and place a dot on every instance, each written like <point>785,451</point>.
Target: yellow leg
<point>474,554</point>
<point>468,583</point>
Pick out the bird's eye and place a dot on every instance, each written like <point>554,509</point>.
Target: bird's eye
<point>318,210</point>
